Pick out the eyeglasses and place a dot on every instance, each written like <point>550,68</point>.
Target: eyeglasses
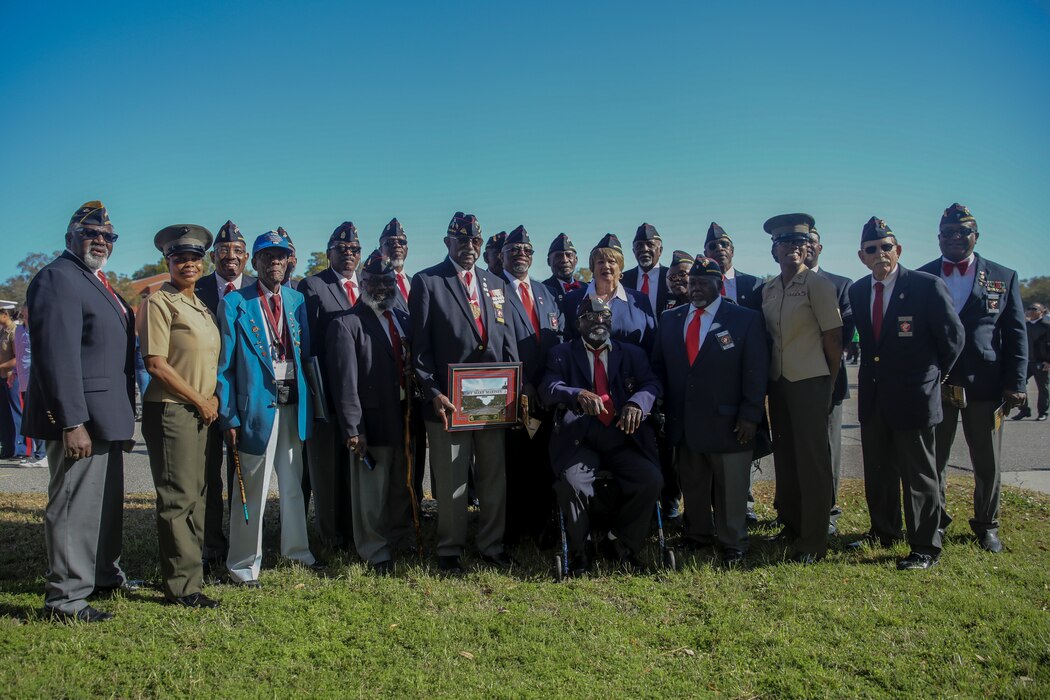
<point>347,249</point>
<point>90,235</point>
<point>519,250</point>
<point>793,244</point>
<point>597,316</point>
<point>720,244</point>
<point>396,240</point>
<point>954,235</point>
<point>681,275</point>
<point>885,248</point>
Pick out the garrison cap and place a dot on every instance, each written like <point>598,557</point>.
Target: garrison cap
<point>345,232</point>
<point>714,232</point>
<point>91,213</point>
<point>377,264</point>
<point>560,244</point>
<point>464,225</point>
<point>609,240</point>
<point>518,236</point>
<point>706,267</point>
<point>271,239</point>
<point>592,303</point>
<point>183,238</point>
<point>787,227</point>
<point>394,228</point>
<point>875,230</point>
<point>957,214</point>
<point>496,241</point>
<point>229,233</point>
<point>646,232</point>
<point>680,257</point>
<point>284,234</point>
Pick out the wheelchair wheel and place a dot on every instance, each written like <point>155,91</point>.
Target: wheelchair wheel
<point>669,560</point>
<point>559,569</point>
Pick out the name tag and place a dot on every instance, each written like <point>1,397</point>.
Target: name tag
<point>552,319</point>
<point>905,327</point>
<point>725,341</point>
<point>283,370</point>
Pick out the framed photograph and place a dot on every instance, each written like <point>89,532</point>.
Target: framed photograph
<point>485,395</point>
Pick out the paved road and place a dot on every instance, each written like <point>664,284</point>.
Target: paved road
<point>1026,457</point>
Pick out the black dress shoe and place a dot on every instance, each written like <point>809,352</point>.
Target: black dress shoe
<point>319,566</point>
<point>194,600</point>
<point>502,560</point>
<point>805,558</point>
<point>695,544</point>
<point>783,537</point>
<point>732,559</point>
<point>869,540</point>
<point>915,560</point>
<point>1022,414</point>
<point>85,614</point>
<point>382,568</point>
<point>631,564</point>
<point>751,518</point>
<point>580,565</point>
<point>450,564</point>
<point>129,586</point>
<point>1042,417</point>
<point>254,583</point>
<point>989,542</point>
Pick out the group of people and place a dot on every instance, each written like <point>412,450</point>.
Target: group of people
<point>665,381</point>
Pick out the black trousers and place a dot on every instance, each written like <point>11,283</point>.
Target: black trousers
<point>216,545</point>
<point>978,422</point>
<point>1042,387</point>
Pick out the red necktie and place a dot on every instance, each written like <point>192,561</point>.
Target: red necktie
<point>722,288</point>
<point>109,288</point>
<point>401,285</point>
<point>645,284</point>
<point>960,266</point>
<point>351,295</point>
<point>530,308</point>
<point>395,342</point>
<point>229,288</point>
<point>876,311</point>
<point>475,307</point>
<point>692,337</point>
<point>601,388</point>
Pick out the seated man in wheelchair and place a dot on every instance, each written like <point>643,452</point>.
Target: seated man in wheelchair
<point>605,391</point>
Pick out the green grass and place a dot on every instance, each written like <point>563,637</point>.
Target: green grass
<point>851,626</point>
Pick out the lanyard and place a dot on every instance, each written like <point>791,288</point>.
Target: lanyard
<point>278,329</point>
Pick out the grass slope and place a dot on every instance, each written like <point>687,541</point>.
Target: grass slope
<point>851,626</point>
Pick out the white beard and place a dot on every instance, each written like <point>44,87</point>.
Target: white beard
<point>94,262</point>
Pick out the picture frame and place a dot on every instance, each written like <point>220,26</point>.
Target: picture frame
<point>485,395</point>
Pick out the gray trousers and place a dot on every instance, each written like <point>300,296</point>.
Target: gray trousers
<point>798,413</point>
<point>382,507</point>
<point>718,480</point>
<point>896,460</point>
<point>177,443</point>
<point>451,456</point>
<point>329,478</point>
<point>83,524</point>
<point>978,421</point>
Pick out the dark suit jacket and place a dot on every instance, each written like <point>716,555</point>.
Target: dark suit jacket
<point>921,339</point>
<point>363,378</point>
<point>631,378</point>
<point>748,291</point>
<point>728,380</point>
<point>842,285</point>
<point>1038,340</point>
<point>630,280</point>
<point>207,292</point>
<point>83,355</point>
<point>633,320</point>
<point>532,351</point>
<point>995,357</point>
<point>443,329</point>
<point>325,299</point>
<point>554,284</point>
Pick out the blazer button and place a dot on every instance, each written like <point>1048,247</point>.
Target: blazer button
<point>481,347</point>
<point>576,442</point>
<point>876,358</point>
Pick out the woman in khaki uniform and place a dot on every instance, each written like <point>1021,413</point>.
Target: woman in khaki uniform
<point>180,343</point>
<point>802,316</point>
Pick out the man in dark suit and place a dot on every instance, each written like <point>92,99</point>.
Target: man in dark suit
<point>538,326</point>
<point>81,400</point>
<point>990,372</point>
<point>910,337</point>
<point>649,277</point>
<point>330,293</point>
<point>367,357</point>
<point>714,364</point>
<point>813,251</point>
<point>230,256</point>
<point>458,314</point>
<point>1038,330</point>
<point>741,287</point>
<point>677,280</point>
<point>562,260</point>
<point>604,391</point>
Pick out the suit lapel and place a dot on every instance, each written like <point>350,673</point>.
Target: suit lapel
<point>519,308</point>
<point>458,292</point>
<point>900,295</point>
<point>583,364</point>
<point>863,317</point>
<point>336,289</point>
<point>716,326</point>
<point>252,323</point>
<point>119,306</point>
<point>975,292</point>
<point>376,329</point>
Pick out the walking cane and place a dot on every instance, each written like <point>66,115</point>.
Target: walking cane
<point>240,479</point>
<point>410,480</point>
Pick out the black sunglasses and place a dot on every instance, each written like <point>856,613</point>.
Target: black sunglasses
<point>89,235</point>
<point>346,249</point>
<point>885,248</point>
<point>518,249</point>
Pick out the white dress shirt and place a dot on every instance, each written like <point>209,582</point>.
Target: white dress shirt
<point>705,321</point>
<point>654,283</point>
<point>887,291</point>
<point>960,286</point>
<point>729,281</point>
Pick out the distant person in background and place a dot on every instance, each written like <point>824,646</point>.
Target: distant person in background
<point>494,253</point>
<point>12,445</point>
<point>678,280</point>
<point>230,257</point>
<point>649,277</point>
<point>36,456</point>
<point>181,344</point>
<point>1038,329</point>
<point>853,349</point>
<point>292,259</point>
<point>141,375</point>
<point>81,400</point>
<point>562,260</point>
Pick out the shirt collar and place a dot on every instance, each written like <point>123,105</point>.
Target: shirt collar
<point>344,280</point>
<point>221,281</point>
<point>620,292</point>
<point>968,261</point>
<point>711,309</point>
<point>730,274</point>
<point>890,278</point>
<point>461,270</point>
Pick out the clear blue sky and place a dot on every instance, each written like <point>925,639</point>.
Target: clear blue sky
<point>583,118</point>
